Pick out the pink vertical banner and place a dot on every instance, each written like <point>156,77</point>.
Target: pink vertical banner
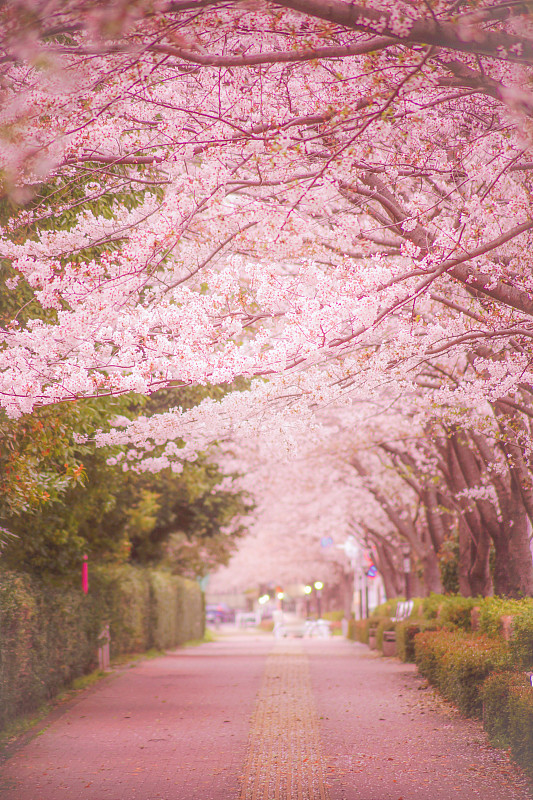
<point>85,575</point>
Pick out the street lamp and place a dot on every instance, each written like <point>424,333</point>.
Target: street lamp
<point>319,586</point>
<point>307,590</point>
<point>406,553</point>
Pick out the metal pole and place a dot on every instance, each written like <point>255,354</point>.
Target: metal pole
<point>407,570</point>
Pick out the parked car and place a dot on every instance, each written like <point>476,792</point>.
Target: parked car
<point>221,612</point>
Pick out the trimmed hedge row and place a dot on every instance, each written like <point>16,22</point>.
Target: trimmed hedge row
<point>406,633</point>
<point>508,715</point>
<point>458,663</point>
<point>49,633</point>
<point>478,670</point>
<point>454,612</point>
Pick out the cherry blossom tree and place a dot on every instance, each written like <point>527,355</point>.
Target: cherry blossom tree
<point>329,201</point>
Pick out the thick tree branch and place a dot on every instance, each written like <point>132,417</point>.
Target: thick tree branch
<point>463,36</point>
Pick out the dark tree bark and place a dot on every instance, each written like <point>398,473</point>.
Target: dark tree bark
<point>474,541</point>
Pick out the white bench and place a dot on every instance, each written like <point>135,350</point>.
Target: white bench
<point>247,619</point>
<point>404,609</point>
<point>317,627</point>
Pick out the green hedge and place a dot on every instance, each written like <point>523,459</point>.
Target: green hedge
<point>450,611</point>
<point>386,609</point>
<point>458,663</point>
<point>333,616</point>
<point>478,671</point>
<point>385,624</point>
<point>49,632</point>
<point>521,644</point>
<point>358,630</point>
<point>508,714</point>
<point>406,633</point>
<point>361,628</point>
<point>454,613</point>
<point>492,609</point>
<point>521,725</point>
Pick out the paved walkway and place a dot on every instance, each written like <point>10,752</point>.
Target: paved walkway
<point>245,718</point>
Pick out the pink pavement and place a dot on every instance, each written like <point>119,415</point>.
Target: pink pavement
<point>386,736</point>
<point>176,728</point>
<point>168,728</point>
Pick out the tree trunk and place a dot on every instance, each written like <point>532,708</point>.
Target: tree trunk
<point>387,569</point>
<point>474,542</point>
<point>513,569</point>
<point>513,572</point>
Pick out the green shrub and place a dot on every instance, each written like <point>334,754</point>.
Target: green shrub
<point>333,616</point>
<point>495,694</point>
<point>386,609</point>
<point>458,663</point>
<point>48,638</point>
<point>358,630</point>
<point>416,610</point>
<point>521,643</point>
<point>163,610</point>
<point>508,715</point>
<point>386,624</point>
<point>50,632</point>
<point>521,724</point>
<point>432,604</point>
<point>492,609</point>
<point>191,612</point>
<point>430,650</point>
<point>361,630</point>
<point>375,622</point>
<point>405,637</point>
<point>450,611</point>
<point>125,591</point>
<point>456,612</point>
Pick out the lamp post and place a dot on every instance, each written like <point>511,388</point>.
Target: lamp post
<point>319,586</point>
<point>406,553</point>
<point>308,589</point>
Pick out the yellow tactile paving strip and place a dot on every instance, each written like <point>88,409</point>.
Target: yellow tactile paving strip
<point>284,759</point>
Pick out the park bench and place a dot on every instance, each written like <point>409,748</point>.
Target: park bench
<point>247,619</point>
<point>294,628</point>
<point>404,609</point>
<point>318,627</point>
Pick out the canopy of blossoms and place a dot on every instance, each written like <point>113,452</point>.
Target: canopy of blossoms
<point>329,202</point>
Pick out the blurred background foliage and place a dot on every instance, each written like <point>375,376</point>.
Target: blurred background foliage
<point>60,499</point>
